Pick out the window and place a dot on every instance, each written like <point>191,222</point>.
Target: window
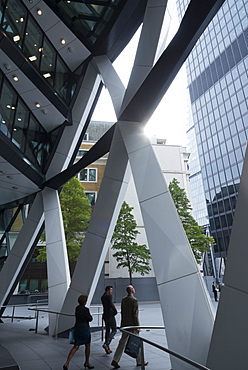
<point>23,285</point>
<point>88,174</point>
<point>81,152</point>
<point>91,196</point>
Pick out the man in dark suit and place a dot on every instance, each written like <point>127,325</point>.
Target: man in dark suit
<point>109,312</point>
<point>215,292</point>
<point>129,317</point>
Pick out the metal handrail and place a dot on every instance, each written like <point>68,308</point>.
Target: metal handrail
<point>14,306</point>
<point>57,315</point>
<point>125,329</point>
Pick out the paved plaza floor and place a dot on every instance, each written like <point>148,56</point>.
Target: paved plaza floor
<point>40,351</point>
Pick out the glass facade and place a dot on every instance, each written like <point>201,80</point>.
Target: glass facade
<point>20,126</point>
<point>19,25</point>
<point>218,87</point>
<point>87,19</point>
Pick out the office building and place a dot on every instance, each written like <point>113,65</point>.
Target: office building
<point>55,56</point>
<point>218,88</point>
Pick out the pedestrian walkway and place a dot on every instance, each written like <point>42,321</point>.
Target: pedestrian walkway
<point>42,352</point>
<point>39,351</point>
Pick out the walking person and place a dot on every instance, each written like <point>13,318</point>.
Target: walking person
<point>81,332</point>
<point>129,317</point>
<point>214,291</point>
<point>109,312</point>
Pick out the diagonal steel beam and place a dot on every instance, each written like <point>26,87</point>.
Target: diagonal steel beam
<point>197,17</point>
<point>97,151</point>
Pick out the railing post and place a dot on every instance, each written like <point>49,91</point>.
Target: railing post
<point>13,314</point>
<point>37,319</point>
<point>56,326</point>
<point>142,355</point>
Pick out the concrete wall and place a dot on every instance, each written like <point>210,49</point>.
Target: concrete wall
<point>146,289</point>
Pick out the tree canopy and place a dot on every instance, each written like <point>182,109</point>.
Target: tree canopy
<point>128,252</point>
<point>195,233</point>
<point>76,213</point>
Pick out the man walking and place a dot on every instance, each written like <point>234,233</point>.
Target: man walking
<point>129,317</point>
<point>215,292</point>
<point>109,312</point>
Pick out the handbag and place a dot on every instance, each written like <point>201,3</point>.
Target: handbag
<point>71,339</point>
<point>132,346</point>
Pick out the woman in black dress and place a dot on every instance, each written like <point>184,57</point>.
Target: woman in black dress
<point>81,332</point>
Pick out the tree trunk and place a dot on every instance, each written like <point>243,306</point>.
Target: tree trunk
<point>130,277</point>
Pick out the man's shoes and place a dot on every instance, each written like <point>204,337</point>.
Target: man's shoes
<point>65,367</point>
<point>107,349</point>
<point>145,363</point>
<point>115,364</point>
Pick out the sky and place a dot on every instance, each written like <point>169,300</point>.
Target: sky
<point>169,121</point>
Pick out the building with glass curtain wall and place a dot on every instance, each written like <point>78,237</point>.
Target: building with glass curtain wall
<point>218,87</point>
<point>55,57</point>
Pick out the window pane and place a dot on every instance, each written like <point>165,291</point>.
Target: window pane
<point>83,175</point>
<point>48,56</point>
<point>20,126</point>
<point>91,197</point>
<point>32,47</point>
<point>92,174</point>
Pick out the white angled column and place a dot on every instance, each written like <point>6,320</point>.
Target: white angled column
<point>112,81</point>
<point>57,259</point>
<point>186,307</point>
<point>151,42</point>
<point>101,226</point>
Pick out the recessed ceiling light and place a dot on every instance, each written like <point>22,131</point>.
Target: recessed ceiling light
<point>32,58</point>
<point>39,11</point>
<point>37,105</point>
<point>14,187</point>
<point>16,38</point>
<point>44,111</point>
<point>2,172</point>
<point>46,75</point>
<point>15,78</point>
<point>63,41</point>
<point>9,177</point>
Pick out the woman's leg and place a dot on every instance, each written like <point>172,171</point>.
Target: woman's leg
<point>87,354</point>
<point>71,354</point>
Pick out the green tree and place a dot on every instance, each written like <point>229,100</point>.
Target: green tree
<point>198,240</point>
<point>129,253</point>
<point>76,213</point>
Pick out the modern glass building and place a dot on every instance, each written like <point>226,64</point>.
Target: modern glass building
<point>218,88</point>
<point>55,57</point>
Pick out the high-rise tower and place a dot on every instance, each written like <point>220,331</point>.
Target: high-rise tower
<point>218,87</point>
